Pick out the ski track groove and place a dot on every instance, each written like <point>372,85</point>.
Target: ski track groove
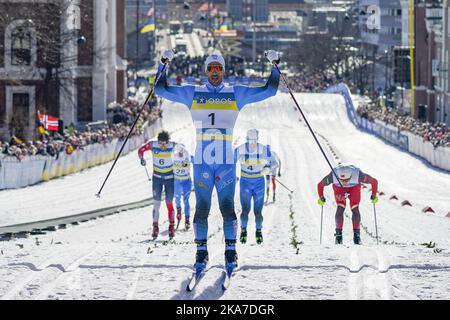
<point>73,268</point>
<point>41,271</point>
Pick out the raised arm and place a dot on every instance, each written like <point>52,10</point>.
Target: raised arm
<point>246,95</point>
<point>180,94</point>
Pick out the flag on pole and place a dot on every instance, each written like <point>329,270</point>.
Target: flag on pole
<point>149,26</point>
<point>151,12</point>
<point>18,140</point>
<point>48,122</point>
<point>204,7</point>
<point>223,26</point>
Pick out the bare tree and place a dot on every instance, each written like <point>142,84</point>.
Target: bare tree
<point>320,53</point>
<point>46,19</point>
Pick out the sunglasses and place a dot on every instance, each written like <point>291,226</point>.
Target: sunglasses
<point>215,68</point>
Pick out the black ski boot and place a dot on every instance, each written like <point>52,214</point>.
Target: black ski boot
<point>356,237</point>
<point>155,232</point>
<point>274,197</point>
<point>259,237</point>
<point>201,257</point>
<point>171,230</point>
<point>338,236</point>
<point>187,223</point>
<point>243,237</point>
<point>230,261</point>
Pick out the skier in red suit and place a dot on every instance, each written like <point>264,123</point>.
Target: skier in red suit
<point>350,178</point>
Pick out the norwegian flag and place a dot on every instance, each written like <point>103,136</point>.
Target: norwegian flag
<point>151,12</point>
<point>48,122</point>
<point>206,7</point>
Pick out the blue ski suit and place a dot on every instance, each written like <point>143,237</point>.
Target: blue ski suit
<point>253,161</point>
<point>214,111</point>
<point>183,181</point>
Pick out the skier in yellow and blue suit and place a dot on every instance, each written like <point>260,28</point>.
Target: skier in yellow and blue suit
<point>183,182</point>
<point>253,158</point>
<point>214,109</point>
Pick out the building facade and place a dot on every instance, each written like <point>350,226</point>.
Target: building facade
<point>68,65</point>
<point>247,10</point>
<point>384,23</point>
<point>440,70</point>
<point>427,34</point>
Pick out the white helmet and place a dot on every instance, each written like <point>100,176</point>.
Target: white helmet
<point>252,135</point>
<point>344,172</point>
<point>214,58</point>
<point>179,149</point>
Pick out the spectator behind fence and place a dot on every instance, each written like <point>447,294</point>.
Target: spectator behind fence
<point>437,134</point>
<point>53,143</point>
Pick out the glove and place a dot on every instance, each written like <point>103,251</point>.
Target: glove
<point>279,175</point>
<point>272,56</point>
<point>167,56</point>
<point>143,162</point>
<point>321,201</point>
<point>374,198</point>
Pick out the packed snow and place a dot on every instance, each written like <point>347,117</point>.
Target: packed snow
<point>112,258</point>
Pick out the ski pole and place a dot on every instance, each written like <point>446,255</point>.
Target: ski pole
<point>306,121</point>
<point>284,186</point>
<point>321,222</point>
<point>376,226</point>
<point>148,176</point>
<point>149,96</point>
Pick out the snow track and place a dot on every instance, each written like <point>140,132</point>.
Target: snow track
<point>112,258</point>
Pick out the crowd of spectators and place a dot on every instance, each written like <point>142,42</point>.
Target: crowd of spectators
<point>120,119</point>
<point>314,84</point>
<point>438,134</point>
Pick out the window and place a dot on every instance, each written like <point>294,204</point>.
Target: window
<point>20,110</point>
<point>21,44</point>
<point>21,105</point>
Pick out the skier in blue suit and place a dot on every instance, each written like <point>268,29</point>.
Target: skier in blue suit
<point>183,182</point>
<point>214,109</point>
<point>253,158</point>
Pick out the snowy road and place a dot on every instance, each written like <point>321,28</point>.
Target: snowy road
<point>111,258</point>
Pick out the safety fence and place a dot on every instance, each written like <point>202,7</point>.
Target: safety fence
<point>438,157</point>
<point>34,169</point>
